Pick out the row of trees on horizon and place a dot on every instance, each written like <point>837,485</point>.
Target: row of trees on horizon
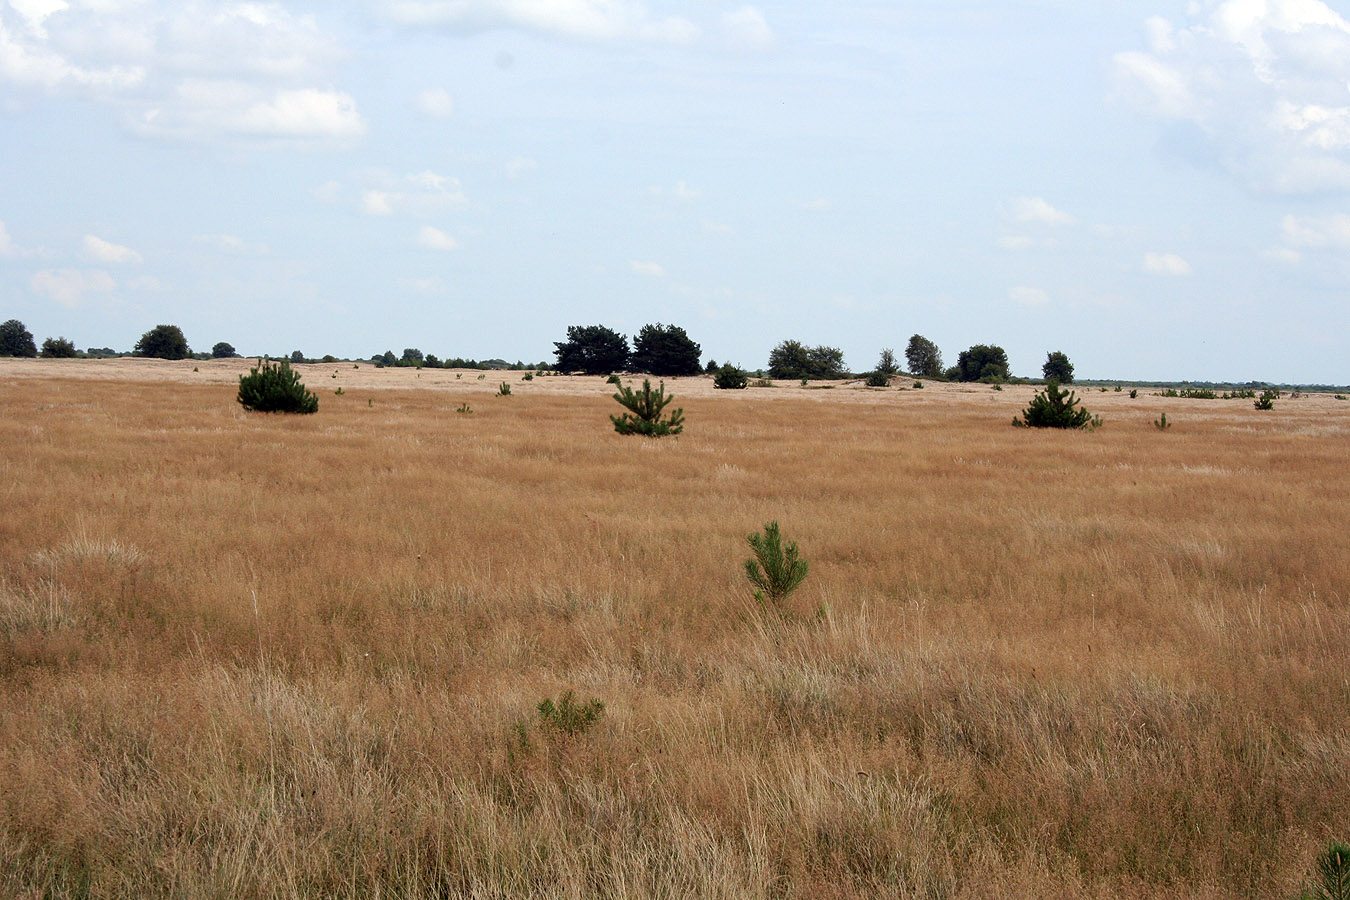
<point>657,349</point>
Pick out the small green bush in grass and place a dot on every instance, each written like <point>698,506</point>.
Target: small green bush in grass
<point>275,387</point>
<point>777,569</point>
<point>570,717</point>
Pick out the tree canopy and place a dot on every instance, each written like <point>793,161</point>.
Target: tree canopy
<point>793,359</point>
<point>1058,367</point>
<point>59,348</point>
<point>162,342</point>
<point>223,350</point>
<point>665,350</point>
<point>924,357</point>
<point>16,340</point>
<point>592,350</point>
<point>982,361</point>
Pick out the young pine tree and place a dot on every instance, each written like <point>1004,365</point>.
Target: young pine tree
<point>645,409</point>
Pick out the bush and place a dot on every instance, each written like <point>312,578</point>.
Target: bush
<point>982,362</point>
<point>59,348</point>
<point>1053,408</point>
<point>223,350</point>
<point>1267,399</point>
<point>645,410</point>
<point>570,717</point>
<point>886,364</point>
<point>776,570</point>
<point>16,340</point>
<point>730,378</point>
<point>275,387</point>
<point>792,360</point>
<point>504,390</point>
<point>162,342</point>
<point>878,379</point>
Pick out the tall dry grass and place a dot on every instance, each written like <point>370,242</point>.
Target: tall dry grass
<point>250,656</point>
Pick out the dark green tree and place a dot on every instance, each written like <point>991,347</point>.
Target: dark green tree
<point>730,378</point>
<point>776,570</point>
<point>592,350</point>
<point>793,359</point>
<point>712,367</point>
<point>275,387</point>
<point>412,356</point>
<point>223,350</point>
<point>924,357</point>
<point>162,342</point>
<point>664,350</point>
<point>886,364</point>
<point>1053,408</point>
<point>981,362</point>
<point>16,340</point>
<point>297,356</point>
<point>1058,367</point>
<point>59,348</point>
<point>645,409</point>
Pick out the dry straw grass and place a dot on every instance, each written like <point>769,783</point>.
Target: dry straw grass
<point>249,656</point>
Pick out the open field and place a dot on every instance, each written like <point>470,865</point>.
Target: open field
<point>250,656</point>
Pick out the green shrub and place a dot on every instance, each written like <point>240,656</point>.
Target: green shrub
<point>464,409</point>
<point>776,570</point>
<point>1267,399</point>
<point>730,378</point>
<point>614,380</point>
<point>1333,871</point>
<point>1134,394</point>
<point>59,348</point>
<point>1053,408</point>
<point>504,390</point>
<point>1162,424</point>
<point>878,379</point>
<point>918,385</point>
<point>275,387</point>
<point>645,409</point>
<point>568,716</point>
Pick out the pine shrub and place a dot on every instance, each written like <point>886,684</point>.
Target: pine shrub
<point>730,378</point>
<point>645,412</point>
<point>1053,408</point>
<point>1267,399</point>
<point>570,717</point>
<point>777,569</point>
<point>1333,871</point>
<point>275,387</point>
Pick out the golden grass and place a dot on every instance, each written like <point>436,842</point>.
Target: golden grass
<point>251,656</point>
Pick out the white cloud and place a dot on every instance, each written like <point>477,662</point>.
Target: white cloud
<point>418,194</point>
<point>747,27</point>
<point>436,239</point>
<point>68,287</point>
<point>1037,211</point>
<point>1166,264</point>
<point>583,20</point>
<point>654,270</point>
<point>437,103</point>
<point>520,166</point>
<point>103,251</point>
<point>1028,296</point>
<point>200,71</point>
<point>1263,83</point>
<point>1317,232</point>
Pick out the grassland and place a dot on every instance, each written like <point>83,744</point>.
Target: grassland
<point>250,656</point>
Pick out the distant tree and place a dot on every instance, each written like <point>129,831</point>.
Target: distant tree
<point>297,356</point>
<point>664,350</point>
<point>100,352</point>
<point>162,342</point>
<point>924,357</point>
<point>981,362</point>
<point>712,367</point>
<point>730,378</point>
<point>59,348</point>
<point>387,358</point>
<point>223,350</point>
<point>793,359</point>
<point>16,340</point>
<point>887,365</point>
<point>433,361</point>
<point>1053,408</point>
<point>412,356</point>
<point>1058,367</point>
<point>592,350</point>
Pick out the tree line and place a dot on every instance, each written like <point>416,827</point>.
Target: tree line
<point>657,349</point>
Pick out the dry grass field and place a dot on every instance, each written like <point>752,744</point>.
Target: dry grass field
<point>249,656</point>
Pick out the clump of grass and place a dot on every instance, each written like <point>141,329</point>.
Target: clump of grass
<point>568,716</point>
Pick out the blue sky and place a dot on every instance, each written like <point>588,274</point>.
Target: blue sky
<point>1159,189</point>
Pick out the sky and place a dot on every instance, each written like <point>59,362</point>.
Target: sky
<point>1159,189</point>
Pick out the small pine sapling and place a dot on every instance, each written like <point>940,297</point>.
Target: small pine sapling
<point>730,378</point>
<point>776,570</point>
<point>1162,424</point>
<point>570,717</point>
<point>645,409</point>
<point>275,387</point>
<point>1054,408</point>
<point>1333,870</point>
<point>504,390</point>
<point>1267,399</point>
